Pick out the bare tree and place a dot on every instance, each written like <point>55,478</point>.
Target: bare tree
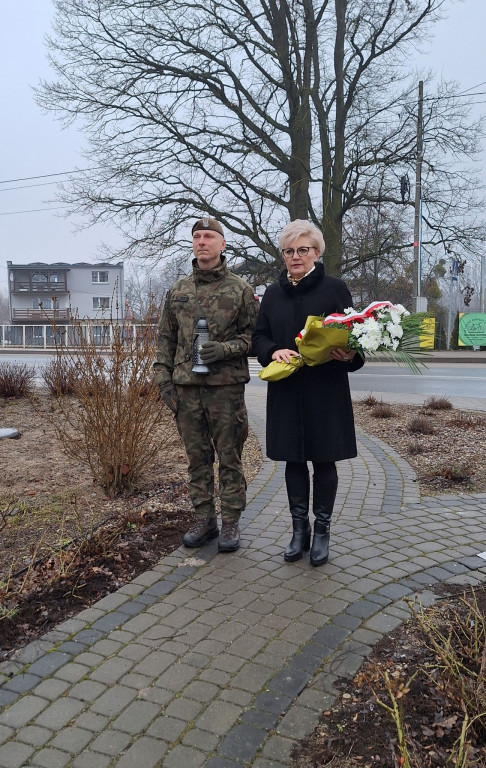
<point>256,112</point>
<point>4,308</point>
<point>145,288</point>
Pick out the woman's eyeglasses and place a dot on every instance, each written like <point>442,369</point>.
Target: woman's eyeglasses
<point>302,251</point>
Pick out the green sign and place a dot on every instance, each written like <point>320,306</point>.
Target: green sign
<point>472,329</point>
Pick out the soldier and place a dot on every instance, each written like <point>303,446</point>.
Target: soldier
<point>209,408</point>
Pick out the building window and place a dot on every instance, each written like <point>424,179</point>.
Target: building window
<point>99,277</point>
<point>45,303</point>
<point>101,302</point>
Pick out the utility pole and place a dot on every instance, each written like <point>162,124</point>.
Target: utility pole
<point>419,303</point>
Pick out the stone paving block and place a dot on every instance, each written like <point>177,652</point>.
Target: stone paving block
<point>72,672</point>
<point>113,701</point>
<point>219,717</point>
<point>167,728</point>
<point>6,733</point>
<point>50,758</point>
<point>111,742</point>
<point>252,677</point>
<point>59,713</point>
<point>278,748</point>
<point>34,735</point>
<point>139,624</point>
<point>184,709</point>
<point>383,623</point>
<point>256,718</point>
<point>21,683</point>
<point>290,681</point>
<point>202,740</point>
<point>92,721</point>
<point>111,670</point>
<point>23,711</point>
<point>246,646</point>
<point>145,752</point>
<point>136,717</point>
<point>240,698</point>
<point>330,636</point>
<point>72,740</point>
<point>183,757</point>
<point>298,722</point>
<point>241,743</point>
<point>92,760</point>
<point>201,691</point>
<point>315,699</point>
<point>154,664</point>
<point>363,609</point>
<point>263,762</point>
<point>49,663</point>
<point>87,637</point>
<point>15,755</point>
<point>216,676</point>
<point>133,607</point>
<point>270,701</point>
<point>87,690</point>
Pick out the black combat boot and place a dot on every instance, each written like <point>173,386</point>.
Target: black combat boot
<point>230,536</point>
<point>325,483</point>
<point>297,481</point>
<point>201,532</point>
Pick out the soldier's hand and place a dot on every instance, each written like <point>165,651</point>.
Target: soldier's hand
<point>169,396</point>
<point>211,351</point>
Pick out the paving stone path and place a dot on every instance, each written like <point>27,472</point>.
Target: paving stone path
<point>227,661</point>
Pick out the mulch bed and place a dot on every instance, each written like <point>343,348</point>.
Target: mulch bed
<point>358,733</point>
<point>59,586</point>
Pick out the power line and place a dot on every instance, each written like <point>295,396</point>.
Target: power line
<point>46,175</point>
<point>29,186</point>
<point>31,210</point>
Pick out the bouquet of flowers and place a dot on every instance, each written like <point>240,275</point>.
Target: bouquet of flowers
<point>382,327</point>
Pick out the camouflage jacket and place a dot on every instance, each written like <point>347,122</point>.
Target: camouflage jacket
<point>230,308</point>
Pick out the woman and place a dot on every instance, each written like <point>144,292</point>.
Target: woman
<point>310,413</point>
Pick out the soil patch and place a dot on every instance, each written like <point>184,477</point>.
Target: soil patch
<point>359,733</point>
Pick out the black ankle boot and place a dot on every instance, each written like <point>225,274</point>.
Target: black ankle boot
<point>320,544</point>
<point>300,541</point>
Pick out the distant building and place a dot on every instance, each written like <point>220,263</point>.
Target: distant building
<point>39,293</point>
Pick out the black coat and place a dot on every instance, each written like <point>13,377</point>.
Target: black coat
<point>309,414</point>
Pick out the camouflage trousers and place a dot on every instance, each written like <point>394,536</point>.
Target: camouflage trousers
<point>213,420</point>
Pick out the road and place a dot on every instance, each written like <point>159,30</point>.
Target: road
<point>463,384</point>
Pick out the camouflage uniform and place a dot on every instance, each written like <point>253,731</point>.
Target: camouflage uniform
<point>211,413</point>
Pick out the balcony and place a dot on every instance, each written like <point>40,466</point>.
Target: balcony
<point>27,286</point>
<point>40,315</point>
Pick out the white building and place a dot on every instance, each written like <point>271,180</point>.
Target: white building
<point>40,293</point>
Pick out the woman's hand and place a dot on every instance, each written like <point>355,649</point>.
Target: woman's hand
<point>284,355</point>
<point>343,355</point>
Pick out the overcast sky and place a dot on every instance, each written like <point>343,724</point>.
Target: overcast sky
<point>33,144</point>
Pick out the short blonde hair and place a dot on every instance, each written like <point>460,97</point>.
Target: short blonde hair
<point>299,227</point>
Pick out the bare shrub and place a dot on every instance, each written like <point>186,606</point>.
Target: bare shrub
<point>414,449</point>
<point>456,474</point>
<point>60,376</point>
<point>369,401</point>
<point>382,411</point>
<point>421,425</point>
<point>467,420</point>
<point>16,379</point>
<point>438,403</point>
<point>112,426</point>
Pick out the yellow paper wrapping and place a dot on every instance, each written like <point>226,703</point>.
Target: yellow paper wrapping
<point>276,371</point>
<point>315,348</point>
